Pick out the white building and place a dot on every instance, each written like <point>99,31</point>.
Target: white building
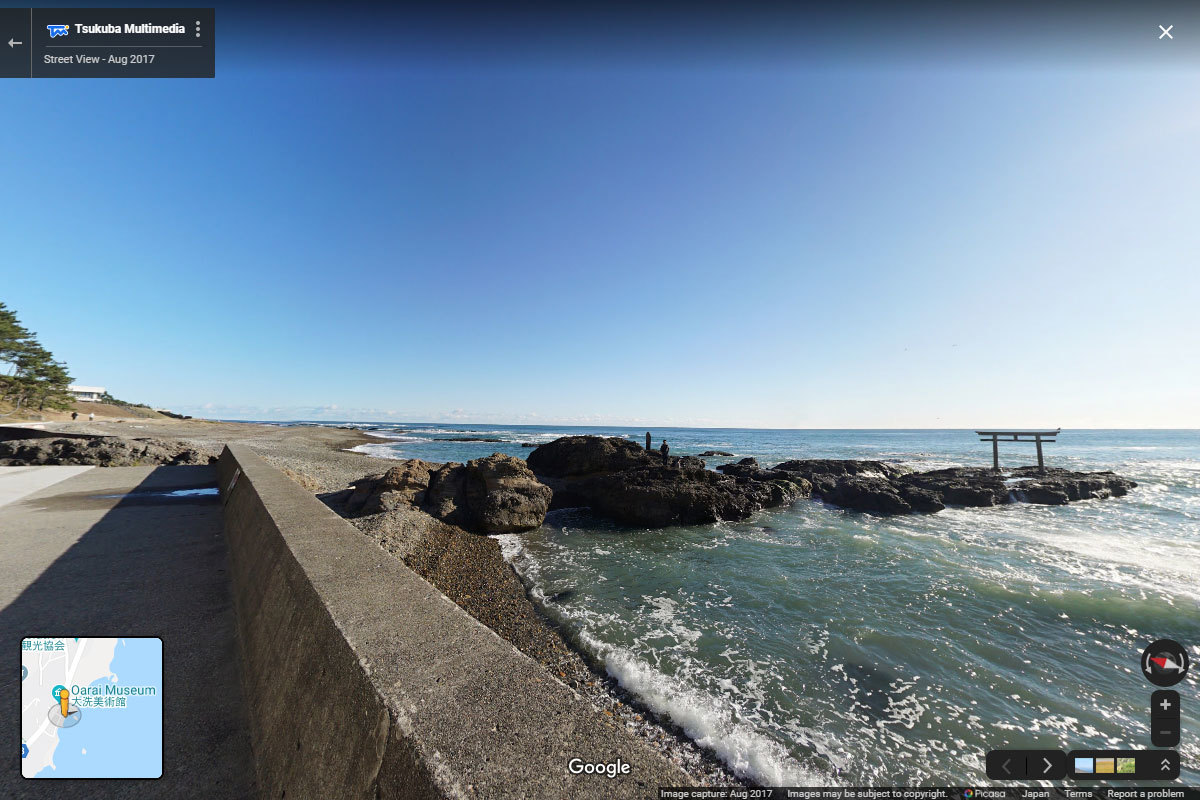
<point>87,394</point>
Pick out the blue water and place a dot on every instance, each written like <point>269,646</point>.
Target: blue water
<point>813,645</point>
<point>120,742</point>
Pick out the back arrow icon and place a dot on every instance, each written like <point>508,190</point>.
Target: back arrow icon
<point>11,43</point>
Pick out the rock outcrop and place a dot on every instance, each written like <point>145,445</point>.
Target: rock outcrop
<point>497,494</point>
<point>101,451</point>
<point>401,485</point>
<point>1057,487</point>
<point>619,479</point>
<point>885,488</point>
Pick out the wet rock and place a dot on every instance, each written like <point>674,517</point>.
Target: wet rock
<point>925,500</point>
<point>746,468</point>
<point>711,453</point>
<point>962,486</point>
<point>867,493</point>
<point>838,468</point>
<point>975,487</point>
<point>1058,486</point>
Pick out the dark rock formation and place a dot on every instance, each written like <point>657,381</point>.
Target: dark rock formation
<point>101,451</point>
<point>825,473</point>
<point>710,453</point>
<point>574,456</point>
<point>621,480</point>
<point>962,486</point>
<point>886,488</point>
<point>867,493</point>
<point>1061,486</point>
<point>497,494</point>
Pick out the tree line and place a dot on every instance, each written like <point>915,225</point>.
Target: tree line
<point>30,377</point>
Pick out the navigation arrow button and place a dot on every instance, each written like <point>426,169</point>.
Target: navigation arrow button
<point>11,43</point>
<point>1005,765</point>
<point>1048,764</point>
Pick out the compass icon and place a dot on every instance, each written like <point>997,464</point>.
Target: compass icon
<point>1165,662</point>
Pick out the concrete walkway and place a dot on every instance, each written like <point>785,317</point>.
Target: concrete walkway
<point>108,552</point>
<point>18,482</point>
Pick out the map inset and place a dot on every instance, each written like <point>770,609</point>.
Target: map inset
<point>91,708</point>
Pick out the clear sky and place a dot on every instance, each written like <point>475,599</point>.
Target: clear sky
<point>620,228</point>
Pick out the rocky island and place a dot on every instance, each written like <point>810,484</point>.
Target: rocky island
<point>620,480</point>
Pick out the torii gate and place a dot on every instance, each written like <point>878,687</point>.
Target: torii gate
<point>1018,436</point>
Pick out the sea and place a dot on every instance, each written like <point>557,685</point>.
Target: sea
<point>809,645</point>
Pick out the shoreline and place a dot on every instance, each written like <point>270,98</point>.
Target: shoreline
<point>467,568</point>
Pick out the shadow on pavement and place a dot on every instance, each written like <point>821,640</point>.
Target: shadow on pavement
<point>154,564</point>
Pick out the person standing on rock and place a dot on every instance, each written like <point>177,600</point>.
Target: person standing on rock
<point>74,416</point>
<point>664,450</point>
<point>648,447</point>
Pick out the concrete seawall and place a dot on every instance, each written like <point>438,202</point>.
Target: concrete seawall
<point>362,680</point>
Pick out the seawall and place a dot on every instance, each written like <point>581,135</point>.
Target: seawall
<point>363,680</point>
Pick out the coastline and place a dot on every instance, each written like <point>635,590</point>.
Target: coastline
<point>468,568</point>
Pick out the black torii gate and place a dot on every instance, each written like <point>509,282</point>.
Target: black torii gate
<point>1018,436</point>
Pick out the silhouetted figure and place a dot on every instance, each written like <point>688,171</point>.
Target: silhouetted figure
<point>648,447</point>
<point>664,450</point>
<point>74,416</point>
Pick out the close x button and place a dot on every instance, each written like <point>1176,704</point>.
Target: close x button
<point>1010,765</point>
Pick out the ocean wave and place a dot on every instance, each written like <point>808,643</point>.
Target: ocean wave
<point>378,450</point>
<point>708,720</point>
<point>395,437</point>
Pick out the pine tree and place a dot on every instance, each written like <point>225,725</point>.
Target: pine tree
<point>29,374</point>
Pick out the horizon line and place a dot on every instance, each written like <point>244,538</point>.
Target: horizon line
<point>681,427</point>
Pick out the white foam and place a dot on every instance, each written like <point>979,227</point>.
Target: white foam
<point>377,450</point>
<point>707,720</point>
<point>510,546</point>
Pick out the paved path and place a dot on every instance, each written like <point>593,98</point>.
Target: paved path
<point>18,482</point>
<point>108,552</point>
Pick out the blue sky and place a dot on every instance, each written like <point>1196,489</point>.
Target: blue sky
<point>679,235</point>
